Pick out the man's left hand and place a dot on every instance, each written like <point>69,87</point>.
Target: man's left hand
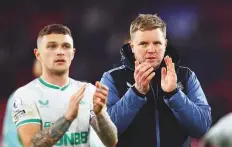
<point>168,76</point>
<point>100,97</point>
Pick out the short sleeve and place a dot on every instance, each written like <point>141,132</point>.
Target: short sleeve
<point>24,110</point>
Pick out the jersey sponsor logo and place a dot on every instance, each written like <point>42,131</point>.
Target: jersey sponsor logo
<point>76,138</point>
<point>70,138</point>
<point>17,105</point>
<point>44,103</point>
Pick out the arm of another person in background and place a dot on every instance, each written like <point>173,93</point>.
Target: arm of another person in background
<point>220,134</point>
<point>9,131</point>
<point>192,110</point>
<point>121,110</point>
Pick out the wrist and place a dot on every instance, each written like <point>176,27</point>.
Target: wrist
<point>98,114</point>
<point>138,93</point>
<point>68,118</point>
<point>171,93</point>
<point>139,89</point>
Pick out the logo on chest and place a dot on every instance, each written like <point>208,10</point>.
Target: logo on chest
<point>180,86</point>
<point>129,85</point>
<point>43,103</point>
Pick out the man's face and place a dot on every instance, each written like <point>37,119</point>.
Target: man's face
<point>149,46</point>
<point>55,52</point>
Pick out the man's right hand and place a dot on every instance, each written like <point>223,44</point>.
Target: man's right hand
<point>73,106</point>
<point>143,74</point>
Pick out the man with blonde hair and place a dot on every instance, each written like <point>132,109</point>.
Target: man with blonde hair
<point>152,100</point>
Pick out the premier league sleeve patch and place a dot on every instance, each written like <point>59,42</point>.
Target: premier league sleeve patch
<point>18,110</point>
<point>17,105</point>
<point>92,115</point>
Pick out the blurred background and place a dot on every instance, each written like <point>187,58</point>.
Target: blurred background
<point>199,30</point>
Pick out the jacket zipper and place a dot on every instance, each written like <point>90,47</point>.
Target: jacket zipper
<point>156,111</point>
<point>156,115</point>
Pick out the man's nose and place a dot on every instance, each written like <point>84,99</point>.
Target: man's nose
<point>151,49</point>
<point>60,51</point>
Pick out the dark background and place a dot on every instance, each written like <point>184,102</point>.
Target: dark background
<point>200,30</point>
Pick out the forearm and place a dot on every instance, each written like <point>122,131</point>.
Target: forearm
<point>124,111</point>
<point>105,129</point>
<point>196,118</point>
<point>49,136</point>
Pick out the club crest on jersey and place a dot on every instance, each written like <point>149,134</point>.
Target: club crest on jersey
<point>44,103</point>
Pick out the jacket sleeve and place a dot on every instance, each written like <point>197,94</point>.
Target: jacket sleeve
<point>191,110</point>
<point>121,110</point>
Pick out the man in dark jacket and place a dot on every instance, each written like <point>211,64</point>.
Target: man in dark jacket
<point>152,101</point>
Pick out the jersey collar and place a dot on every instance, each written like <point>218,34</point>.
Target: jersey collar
<point>43,82</point>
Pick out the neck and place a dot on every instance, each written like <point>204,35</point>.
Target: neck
<point>55,79</point>
<point>157,67</point>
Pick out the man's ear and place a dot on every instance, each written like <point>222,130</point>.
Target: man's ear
<point>132,47</point>
<point>74,52</point>
<point>37,54</point>
<point>166,43</point>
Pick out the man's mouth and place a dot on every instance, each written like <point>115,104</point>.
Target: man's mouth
<point>60,61</point>
<point>151,58</point>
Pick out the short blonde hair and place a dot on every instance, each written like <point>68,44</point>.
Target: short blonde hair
<point>145,22</point>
